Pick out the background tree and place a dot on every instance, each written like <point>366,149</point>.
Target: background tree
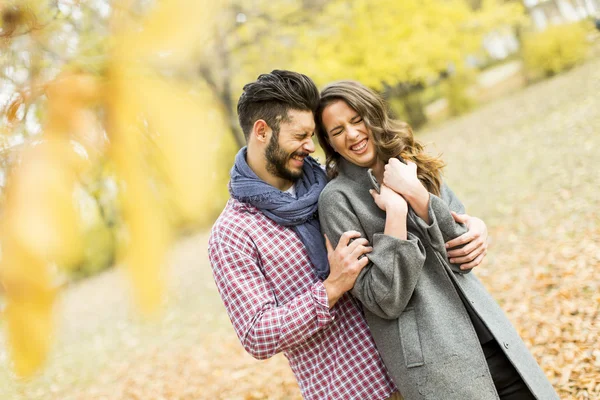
<point>253,38</point>
<point>399,47</point>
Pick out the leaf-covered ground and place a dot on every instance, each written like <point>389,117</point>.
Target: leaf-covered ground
<point>527,164</point>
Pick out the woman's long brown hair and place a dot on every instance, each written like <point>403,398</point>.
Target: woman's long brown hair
<point>392,138</point>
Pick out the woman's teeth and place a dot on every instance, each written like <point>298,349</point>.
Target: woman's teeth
<point>360,146</point>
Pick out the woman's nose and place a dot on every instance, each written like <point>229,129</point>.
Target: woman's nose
<point>352,132</point>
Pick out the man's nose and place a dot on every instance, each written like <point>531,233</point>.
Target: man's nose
<point>309,146</point>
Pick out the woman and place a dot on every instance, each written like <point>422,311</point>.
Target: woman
<point>439,332</point>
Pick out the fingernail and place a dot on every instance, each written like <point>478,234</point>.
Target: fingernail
<point>447,245</point>
<point>452,260</point>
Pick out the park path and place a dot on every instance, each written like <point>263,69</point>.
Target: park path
<point>527,164</point>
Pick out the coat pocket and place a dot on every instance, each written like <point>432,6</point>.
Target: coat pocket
<point>409,337</point>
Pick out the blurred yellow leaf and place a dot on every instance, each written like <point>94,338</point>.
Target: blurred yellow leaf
<point>42,218</point>
<point>181,127</point>
<point>186,127</point>
<point>147,230</point>
<point>28,312</point>
<point>174,30</point>
<point>140,108</point>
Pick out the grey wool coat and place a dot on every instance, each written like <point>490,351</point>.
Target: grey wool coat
<point>419,323</point>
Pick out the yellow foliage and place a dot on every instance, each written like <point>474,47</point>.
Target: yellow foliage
<point>171,34</point>
<point>456,91</point>
<point>555,49</point>
<point>42,217</point>
<point>182,127</point>
<point>384,42</point>
<point>41,226</point>
<point>29,300</point>
<point>182,133</point>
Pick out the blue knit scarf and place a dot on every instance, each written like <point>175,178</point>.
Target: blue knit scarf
<point>298,213</point>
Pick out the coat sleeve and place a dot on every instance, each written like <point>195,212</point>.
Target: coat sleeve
<point>386,284</point>
<point>442,226</point>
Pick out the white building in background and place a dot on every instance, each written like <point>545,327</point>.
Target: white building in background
<point>556,12</point>
<point>499,44</point>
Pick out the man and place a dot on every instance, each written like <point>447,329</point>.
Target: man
<point>283,290</point>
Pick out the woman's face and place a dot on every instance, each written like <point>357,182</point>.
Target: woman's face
<point>348,134</point>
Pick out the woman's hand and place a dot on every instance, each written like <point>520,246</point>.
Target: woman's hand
<point>395,208</point>
<point>389,200</point>
<point>402,178</point>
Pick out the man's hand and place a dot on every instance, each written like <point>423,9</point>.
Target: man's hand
<point>475,240</point>
<point>344,264</point>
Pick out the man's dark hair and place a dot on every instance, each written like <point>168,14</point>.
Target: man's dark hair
<point>272,95</point>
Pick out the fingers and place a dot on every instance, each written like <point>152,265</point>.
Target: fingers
<point>469,257</point>
<point>328,245</point>
<point>375,196</point>
<point>357,248</point>
<point>356,243</point>
<point>363,262</point>
<point>475,223</point>
<point>394,162</point>
<point>359,251</point>
<point>475,262</point>
<point>460,218</point>
<point>468,248</point>
<point>411,164</point>
<point>346,236</point>
<point>462,239</point>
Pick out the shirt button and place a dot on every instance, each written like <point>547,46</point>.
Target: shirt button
<point>506,345</point>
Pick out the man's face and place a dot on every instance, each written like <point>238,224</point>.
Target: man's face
<point>286,150</point>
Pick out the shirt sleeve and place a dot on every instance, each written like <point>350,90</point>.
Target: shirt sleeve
<point>263,326</point>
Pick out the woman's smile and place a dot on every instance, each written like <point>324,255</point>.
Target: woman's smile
<point>360,147</point>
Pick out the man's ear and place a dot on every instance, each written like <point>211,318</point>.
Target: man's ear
<point>260,131</point>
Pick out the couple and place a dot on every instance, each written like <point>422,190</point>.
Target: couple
<point>393,306</point>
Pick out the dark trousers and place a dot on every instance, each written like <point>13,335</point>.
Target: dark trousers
<point>507,380</point>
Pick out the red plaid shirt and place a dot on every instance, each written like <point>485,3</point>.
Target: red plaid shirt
<point>276,303</point>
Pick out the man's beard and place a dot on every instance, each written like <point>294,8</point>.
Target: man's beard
<point>277,160</point>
